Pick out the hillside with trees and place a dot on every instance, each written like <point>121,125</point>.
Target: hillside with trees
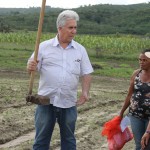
<point>94,19</point>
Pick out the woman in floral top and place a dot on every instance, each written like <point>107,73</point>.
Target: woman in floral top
<point>138,99</point>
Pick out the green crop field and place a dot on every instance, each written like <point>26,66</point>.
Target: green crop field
<point>111,55</point>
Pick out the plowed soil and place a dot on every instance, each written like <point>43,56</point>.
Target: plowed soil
<point>17,119</point>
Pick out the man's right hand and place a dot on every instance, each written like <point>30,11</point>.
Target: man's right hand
<point>32,66</point>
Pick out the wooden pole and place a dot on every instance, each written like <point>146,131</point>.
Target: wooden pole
<point>41,18</point>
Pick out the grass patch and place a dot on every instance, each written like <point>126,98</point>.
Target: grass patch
<point>108,56</point>
<point>115,72</point>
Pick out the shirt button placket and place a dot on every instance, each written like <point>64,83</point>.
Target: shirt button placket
<point>64,64</point>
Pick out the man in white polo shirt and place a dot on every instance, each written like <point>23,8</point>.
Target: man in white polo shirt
<point>61,61</point>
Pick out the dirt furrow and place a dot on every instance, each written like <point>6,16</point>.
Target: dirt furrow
<point>84,127</point>
<point>18,140</point>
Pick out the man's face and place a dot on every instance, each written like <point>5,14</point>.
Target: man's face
<point>68,31</point>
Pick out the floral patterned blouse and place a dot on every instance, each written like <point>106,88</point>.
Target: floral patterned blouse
<point>140,100</point>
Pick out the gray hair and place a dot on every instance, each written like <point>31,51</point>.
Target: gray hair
<point>66,15</point>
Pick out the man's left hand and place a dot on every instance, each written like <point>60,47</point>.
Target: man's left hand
<point>82,100</point>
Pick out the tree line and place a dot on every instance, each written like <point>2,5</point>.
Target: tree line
<point>94,19</point>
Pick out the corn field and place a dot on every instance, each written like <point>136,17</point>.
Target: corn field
<point>112,44</point>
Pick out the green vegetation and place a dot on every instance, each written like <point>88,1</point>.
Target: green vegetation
<point>113,35</point>
<point>111,55</point>
<point>96,19</point>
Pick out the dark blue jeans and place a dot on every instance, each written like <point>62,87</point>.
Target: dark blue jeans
<point>45,119</point>
<point>138,128</point>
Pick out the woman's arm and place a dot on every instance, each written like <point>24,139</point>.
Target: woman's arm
<point>130,92</point>
<point>146,137</point>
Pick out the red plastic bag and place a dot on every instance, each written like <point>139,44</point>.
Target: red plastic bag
<point>119,139</point>
<point>115,137</point>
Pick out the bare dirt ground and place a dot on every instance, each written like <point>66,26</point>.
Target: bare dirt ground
<point>17,119</point>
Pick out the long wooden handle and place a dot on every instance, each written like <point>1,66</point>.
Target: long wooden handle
<point>37,44</point>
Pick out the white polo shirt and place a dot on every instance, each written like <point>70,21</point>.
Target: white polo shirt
<point>60,70</point>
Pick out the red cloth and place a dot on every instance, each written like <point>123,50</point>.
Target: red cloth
<point>111,127</point>
<point>115,137</point>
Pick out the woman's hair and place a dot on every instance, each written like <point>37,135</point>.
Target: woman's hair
<point>66,15</point>
<point>145,50</point>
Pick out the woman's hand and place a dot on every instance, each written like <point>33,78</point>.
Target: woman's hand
<point>145,139</point>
